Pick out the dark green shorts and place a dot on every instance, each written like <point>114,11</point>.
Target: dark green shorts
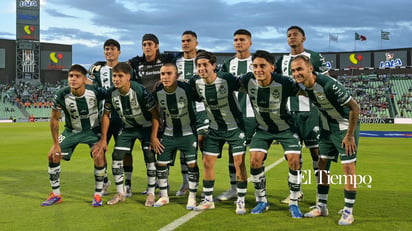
<point>202,123</point>
<point>307,124</point>
<point>262,140</point>
<point>69,140</point>
<point>330,146</point>
<point>187,145</point>
<point>215,140</point>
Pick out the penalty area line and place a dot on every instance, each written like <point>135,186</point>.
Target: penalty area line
<point>180,221</point>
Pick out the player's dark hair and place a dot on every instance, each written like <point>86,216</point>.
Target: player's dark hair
<point>190,32</point>
<point>206,55</point>
<point>297,28</point>
<point>79,68</point>
<point>122,67</point>
<point>111,42</point>
<point>170,64</point>
<point>265,55</point>
<point>243,32</point>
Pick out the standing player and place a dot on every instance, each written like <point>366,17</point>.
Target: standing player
<point>187,68</point>
<point>147,69</point>
<point>101,75</point>
<point>148,66</point>
<point>81,104</point>
<point>137,109</point>
<point>226,125</point>
<point>238,65</point>
<point>305,114</point>
<point>339,136</point>
<point>176,101</point>
<point>268,94</point>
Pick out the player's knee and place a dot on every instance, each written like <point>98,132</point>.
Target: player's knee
<point>118,155</point>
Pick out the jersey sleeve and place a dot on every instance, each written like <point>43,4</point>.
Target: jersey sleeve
<point>225,66</point>
<point>149,100</point>
<point>320,64</point>
<point>244,81</point>
<point>56,101</point>
<point>338,92</point>
<point>278,65</point>
<point>192,84</point>
<point>232,81</point>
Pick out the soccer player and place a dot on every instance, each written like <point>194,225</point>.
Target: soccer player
<point>305,114</point>
<point>80,104</point>
<point>238,65</point>
<point>226,125</point>
<point>101,75</point>
<point>187,68</point>
<point>176,101</point>
<point>137,109</point>
<point>147,69</point>
<point>268,94</point>
<point>339,134</point>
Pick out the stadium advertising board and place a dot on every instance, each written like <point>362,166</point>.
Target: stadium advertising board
<point>330,60</point>
<point>390,59</point>
<point>28,19</point>
<point>355,60</point>
<point>55,60</point>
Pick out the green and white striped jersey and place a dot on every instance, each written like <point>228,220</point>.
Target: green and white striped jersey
<point>134,107</point>
<point>178,108</point>
<point>330,96</point>
<point>101,75</point>
<point>185,67</point>
<point>238,67</point>
<point>220,101</point>
<point>269,103</point>
<point>300,103</point>
<point>80,112</point>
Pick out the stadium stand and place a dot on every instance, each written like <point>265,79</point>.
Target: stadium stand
<point>378,96</point>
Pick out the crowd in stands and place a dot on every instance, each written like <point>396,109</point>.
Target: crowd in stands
<point>371,94</point>
<point>28,95</point>
<point>23,95</point>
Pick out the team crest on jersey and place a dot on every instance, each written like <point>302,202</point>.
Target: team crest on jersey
<point>233,69</point>
<point>133,102</point>
<point>320,96</point>
<point>92,103</point>
<point>162,103</point>
<point>182,100</point>
<point>222,89</point>
<point>276,94</point>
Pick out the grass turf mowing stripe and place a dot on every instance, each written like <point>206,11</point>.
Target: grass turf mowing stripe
<point>180,221</point>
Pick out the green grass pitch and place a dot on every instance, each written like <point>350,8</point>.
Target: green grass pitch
<point>385,204</point>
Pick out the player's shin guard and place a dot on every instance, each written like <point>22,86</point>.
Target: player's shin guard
<point>193,176</point>
<point>350,197</point>
<point>183,168</point>
<point>99,173</point>
<point>241,187</point>
<point>128,169</point>
<point>151,177</point>
<point>208,186</point>
<point>117,168</point>
<point>323,191</point>
<point>162,173</point>
<point>54,171</point>
<point>294,186</point>
<point>259,182</point>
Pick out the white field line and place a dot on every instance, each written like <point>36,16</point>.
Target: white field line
<point>180,221</point>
